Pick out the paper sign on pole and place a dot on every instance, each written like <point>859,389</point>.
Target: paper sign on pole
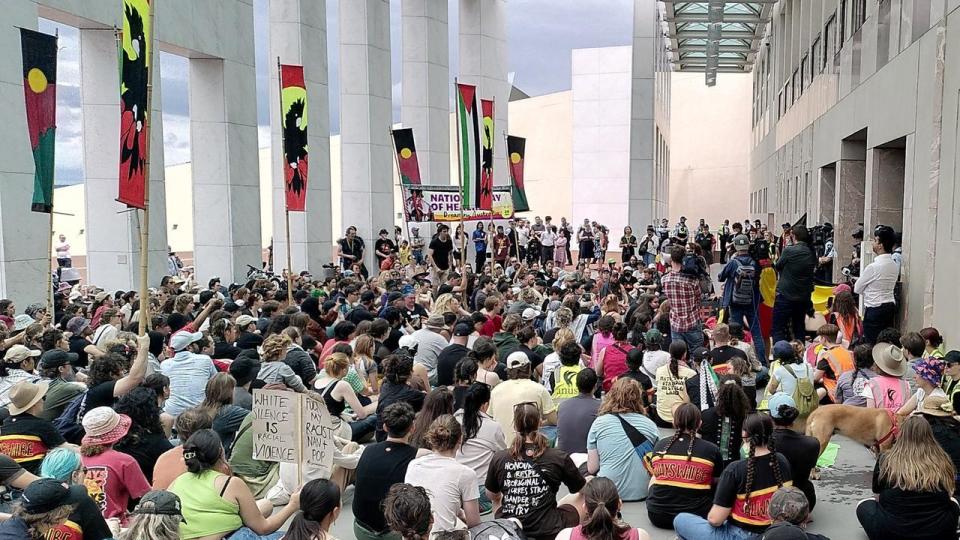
<point>276,415</point>
<point>318,437</point>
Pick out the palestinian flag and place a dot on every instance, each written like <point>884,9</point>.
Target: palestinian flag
<point>40,95</point>
<point>135,59</point>
<point>484,195</point>
<point>468,123</point>
<point>516,150</point>
<point>293,110</point>
<point>406,156</point>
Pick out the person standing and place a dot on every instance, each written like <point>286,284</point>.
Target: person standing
<point>705,240</point>
<point>480,246</point>
<point>501,247</point>
<point>350,248</point>
<point>796,266</point>
<point>441,250</point>
<point>562,249</point>
<point>876,283</point>
<point>683,292</point>
<point>741,290</point>
<point>648,247</point>
<point>62,248</point>
<point>416,245</point>
<point>585,242</point>
<point>724,236</point>
<point>628,245</point>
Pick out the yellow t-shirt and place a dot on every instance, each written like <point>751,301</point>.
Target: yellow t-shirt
<point>669,389</point>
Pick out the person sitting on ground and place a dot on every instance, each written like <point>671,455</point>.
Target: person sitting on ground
<point>218,404</point>
<point>562,380</point>
<point>723,423</point>
<point>452,485</point>
<point>18,365</point>
<point>43,512</point>
<point>634,371</point>
<point>482,437</point>
<point>940,414</point>
<point>787,378</point>
<point>929,376</point>
<point>551,363</point>
<point>619,438</point>
<point>145,441</point>
<point>575,416</point>
<point>681,483</point>
<point>744,490</point>
<point>319,509</point>
<point>438,403</point>
<point>406,510</point>
<point>170,464</point>
<point>833,361</point>
<point>671,384</point>
<point>523,480</point>
<point>244,371</point>
<point>800,450</point>
<point>603,521</point>
<point>65,465</point>
<point>951,378</point>
<point>914,482</point>
<point>156,517</point>
<point>612,361</point>
<point>56,366</point>
<point>889,386</point>
<point>702,387</point>
<point>397,370</point>
<point>273,369</point>
<point>337,394</point>
<point>789,512</point>
<point>189,371</point>
<point>215,505</point>
<point>850,385</point>
<point>26,437</point>
<point>485,354</point>
<point>298,359</point>
<point>520,389</point>
<point>653,357</point>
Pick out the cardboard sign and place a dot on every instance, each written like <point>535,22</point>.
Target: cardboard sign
<point>275,421</point>
<point>318,436</point>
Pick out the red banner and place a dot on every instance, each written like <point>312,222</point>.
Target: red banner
<point>293,111</point>
<point>406,156</point>
<point>135,60</point>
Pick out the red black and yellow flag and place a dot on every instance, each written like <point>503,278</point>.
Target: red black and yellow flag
<point>135,62</point>
<point>406,156</point>
<point>39,53</point>
<point>293,110</point>
<point>484,195</point>
<point>516,152</point>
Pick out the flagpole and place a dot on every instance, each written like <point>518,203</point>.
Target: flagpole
<point>456,89</point>
<point>50,300</point>
<point>286,207</point>
<point>144,322</point>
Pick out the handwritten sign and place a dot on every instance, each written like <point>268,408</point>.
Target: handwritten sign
<point>318,437</point>
<point>275,420</point>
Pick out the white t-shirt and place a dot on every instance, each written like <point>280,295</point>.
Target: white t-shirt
<point>478,451</point>
<point>548,238</point>
<point>652,361</point>
<point>448,483</point>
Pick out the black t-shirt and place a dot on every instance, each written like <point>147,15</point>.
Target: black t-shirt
<point>351,247</point>
<point>751,515</point>
<point>87,516</point>
<point>383,246</point>
<point>725,353</point>
<point>417,312</point>
<point>529,489</point>
<point>38,437</point>
<point>712,429</point>
<point>394,393</point>
<point>77,344</point>
<point>682,485</point>
<point>459,394</point>
<point>381,465</point>
<point>145,448</point>
<point>802,452</point>
<point>100,395</point>
<point>447,361</point>
<point>693,390</point>
<point>9,470</point>
<point>441,252</point>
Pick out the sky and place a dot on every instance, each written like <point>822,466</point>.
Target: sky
<point>541,35</point>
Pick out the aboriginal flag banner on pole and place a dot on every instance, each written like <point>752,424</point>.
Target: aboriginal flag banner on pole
<point>293,110</point>
<point>134,69</point>
<point>468,123</point>
<point>484,191</point>
<point>40,95</point>
<point>516,150</point>
<point>406,156</point>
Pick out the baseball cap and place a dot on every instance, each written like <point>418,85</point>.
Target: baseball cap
<point>182,339</point>
<point>778,400</point>
<point>783,350</point>
<point>530,314</point>
<point>159,502</point>
<point>244,320</point>
<point>245,368</point>
<point>19,353</point>
<point>741,242</point>
<point>462,329</point>
<point>952,357</point>
<point>653,335</point>
<point>44,495</point>
<point>517,359</point>
<point>55,358</point>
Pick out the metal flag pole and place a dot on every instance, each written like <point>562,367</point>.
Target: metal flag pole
<point>286,207</point>
<point>456,89</point>
<point>144,323</point>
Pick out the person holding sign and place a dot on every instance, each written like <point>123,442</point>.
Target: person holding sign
<point>216,505</point>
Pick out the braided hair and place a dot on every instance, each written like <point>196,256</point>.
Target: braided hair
<point>686,420</point>
<point>759,429</point>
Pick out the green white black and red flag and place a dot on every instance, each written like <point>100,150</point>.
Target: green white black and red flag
<point>516,150</point>
<point>484,192</point>
<point>39,53</point>
<point>406,156</point>
<point>468,124</point>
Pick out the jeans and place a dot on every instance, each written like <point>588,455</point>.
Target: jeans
<point>648,259</point>
<point>245,533</point>
<point>693,338</point>
<point>546,254</point>
<point>362,533</point>
<point>360,429</point>
<point>789,316</point>
<point>550,432</point>
<point>739,314</point>
<point>877,319</point>
<point>694,527</point>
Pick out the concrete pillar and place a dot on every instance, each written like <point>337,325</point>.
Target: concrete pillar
<point>827,196</point>
<point>24,260</point>
<point>883,197</point>
<point>112,230</point>
<point>366,151</point>
<point>848,209</point>
<point>298,35</point>
<point>225,168</point>
<point>643,201</point>
<point>426,86</point>
<point>483,62</point>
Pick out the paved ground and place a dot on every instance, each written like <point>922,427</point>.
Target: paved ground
<point>838,491</point>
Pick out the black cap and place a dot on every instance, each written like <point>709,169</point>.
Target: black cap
<point>44,495</point>
<point>55,358</point>
<point>159,502</point>
<point>368,296</point>
<point>393,297</point>
<point>231,307</point>
<point>245,368</point>
<point>462,329</point>
<point>952,357</point>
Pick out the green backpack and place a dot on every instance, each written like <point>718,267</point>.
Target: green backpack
<point>804,394</point>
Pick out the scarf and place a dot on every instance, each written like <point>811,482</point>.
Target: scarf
<point>708,383</point>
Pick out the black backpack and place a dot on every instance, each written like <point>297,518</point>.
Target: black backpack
<point>744,282</point>
<point>68,423</point>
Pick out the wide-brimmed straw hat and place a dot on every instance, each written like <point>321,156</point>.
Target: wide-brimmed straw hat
<point>104,426</point>
<point>26,394</point>
<point>937,406</point>
<point>889,358</point>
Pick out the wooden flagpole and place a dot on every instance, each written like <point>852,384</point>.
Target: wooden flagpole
<point>144,323</point>
<point>286,207</point>
<point>463,251</point>
<point>50,302</point>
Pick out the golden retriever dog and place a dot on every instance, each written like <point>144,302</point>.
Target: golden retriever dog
<point>875,428</point>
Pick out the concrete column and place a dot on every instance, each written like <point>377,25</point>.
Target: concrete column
<point>483,62</point>
<point>366,151</point>
<point>848,209</point>
<point>225,168</point>
<point>883,197</point>
<point>827,187</point>
<point>298,35</point>
<point>642,205</point>
<point>24,261</point>
<point>426,85</point>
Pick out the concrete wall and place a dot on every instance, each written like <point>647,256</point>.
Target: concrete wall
<point>710,161</point>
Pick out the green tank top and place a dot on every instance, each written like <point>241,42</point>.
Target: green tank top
<point>205,511</point>
<point>565,383</point>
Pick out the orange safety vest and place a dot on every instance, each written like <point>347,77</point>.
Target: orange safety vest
<point>840,361</point>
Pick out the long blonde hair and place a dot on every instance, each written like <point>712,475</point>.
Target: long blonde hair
<point>152,527</point>
<point>443,304</point>
<point>275,347</point>
<point>917,462</point>
<point>561,338</point>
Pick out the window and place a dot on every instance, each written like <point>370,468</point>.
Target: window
<point>842,30</point>
<point>804,75</point>
<point>858,16</point>
<point>764,207</point>
<point>815,59</point>
<point>797,90</point>
<point>829,42</point>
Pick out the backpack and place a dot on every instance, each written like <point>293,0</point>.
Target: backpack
<point>498,529</point>
<point>804,394</point>
<point>641,445</point>
<point>744,283</point>
<point>68,423</point>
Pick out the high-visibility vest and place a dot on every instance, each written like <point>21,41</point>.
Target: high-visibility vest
<point>565,382</point>
<point>840,361</point>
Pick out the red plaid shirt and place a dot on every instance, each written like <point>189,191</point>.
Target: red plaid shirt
<point>683,292</point>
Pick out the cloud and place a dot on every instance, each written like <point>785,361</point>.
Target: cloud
<point>176,139</point>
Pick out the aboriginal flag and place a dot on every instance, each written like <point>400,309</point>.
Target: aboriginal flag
<point>406,156</point>
<point>516,150</point>
<point>484,191</point>
<point>135,58</point>
<point>293,109</point>
<point>40,95</point>
<point>468,123</point>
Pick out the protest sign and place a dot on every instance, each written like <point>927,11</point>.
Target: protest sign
<point>318,436</point>
<point>276,417</point>
<point>441,204</point>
